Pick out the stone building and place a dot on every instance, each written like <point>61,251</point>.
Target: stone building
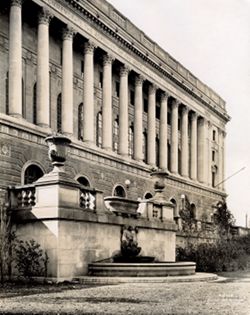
<point>82,69</point>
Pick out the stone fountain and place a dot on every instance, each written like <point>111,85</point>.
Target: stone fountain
<point>130,261</point>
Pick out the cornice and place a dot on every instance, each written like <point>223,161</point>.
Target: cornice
<point>162,68</point>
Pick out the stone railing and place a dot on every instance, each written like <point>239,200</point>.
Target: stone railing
<point>90,199</point>
<point>23,197</point>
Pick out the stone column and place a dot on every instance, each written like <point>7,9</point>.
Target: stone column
<point>201,150</point>
<point>174,137</point>
<point>209,157</point>
<point>43,82</point>
<point>164,132</point>
<point>206,152</point>
<point>151,125</point>
<point>15,58</point>
<point>88,94</point>
<point>220,159</point>
<point>67,82</point>
<point>194,146</point>
<point>123,112</point>
<point>223,159</point>
<point>138,127</point>
<point>107,103</point>
<point>184,142</point>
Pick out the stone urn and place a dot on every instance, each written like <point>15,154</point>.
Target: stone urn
<point>122,206</point>
<point>159,178</point>
<point>57,149</point>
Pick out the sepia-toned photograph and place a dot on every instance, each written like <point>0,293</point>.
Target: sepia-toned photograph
<point>125,157</point>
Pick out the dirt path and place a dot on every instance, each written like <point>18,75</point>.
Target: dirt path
<point>229,295</point>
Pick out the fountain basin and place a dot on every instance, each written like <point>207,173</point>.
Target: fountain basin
<point>122,206</point>
<point>157,269</point>
<point>136,259</point>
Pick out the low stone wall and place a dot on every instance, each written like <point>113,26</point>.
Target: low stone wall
<point>74,238</point>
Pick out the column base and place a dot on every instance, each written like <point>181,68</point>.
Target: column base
<point>15,115</point>
<point>139,160</point>
<point>174,173</point>
<point>67,134</point>
<point>108,149</point>
<point>43,125</point>
<point>124,155</point>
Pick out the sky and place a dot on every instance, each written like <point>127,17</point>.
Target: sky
<point>211,38</point>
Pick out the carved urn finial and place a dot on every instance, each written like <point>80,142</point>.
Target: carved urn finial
<point>159,180</point>
<point>57,150</point>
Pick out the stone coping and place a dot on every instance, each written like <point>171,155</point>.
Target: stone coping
<point>79,215</point>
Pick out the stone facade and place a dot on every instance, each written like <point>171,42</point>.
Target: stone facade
<point>141,108</point>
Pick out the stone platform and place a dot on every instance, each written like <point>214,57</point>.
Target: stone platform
<point>197,277</point>
<point>158,269</point>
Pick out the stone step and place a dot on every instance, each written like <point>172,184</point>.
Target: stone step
<point>170,279</point>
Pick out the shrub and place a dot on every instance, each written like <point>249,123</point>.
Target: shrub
<point>224,255</point>
<point>6,239</point>
<point>30,259</point>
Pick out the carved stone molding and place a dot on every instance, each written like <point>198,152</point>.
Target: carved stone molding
<point>194,116</point>
<point>185,109</point>
<point>124,70</point>
<point>152,88</point>
<point>17,3</point>
<point>89,47</point>
<point>139,80</point>
<point>44,16</point>
<point>222,132</point>
<point>175,103</point>
<point>68,33</point>
<point>108,59</point>
<point>164,96</point>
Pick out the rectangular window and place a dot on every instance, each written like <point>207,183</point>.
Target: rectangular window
<point>169,118</point>
<point>132,97</point>
<point>214,135</point>
<point>117,88</point>
<point>100,79</point>
<point>61,56</point>
<point>82,67</point>
<point>157,112</point>
<point>213,156</point>
<point>213,179</point>
<point>145,105</point>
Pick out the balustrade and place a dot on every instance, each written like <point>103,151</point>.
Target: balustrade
<point>87,199</point>
<point>23,197</point>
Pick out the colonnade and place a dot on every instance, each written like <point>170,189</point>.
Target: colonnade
<point>194,144</point>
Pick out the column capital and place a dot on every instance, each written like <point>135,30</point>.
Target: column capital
<point>222,132</point>
<point>44,16</point>
<point>139,80</point>
<point>152,88</point>
<point>194,116</point>
<point>124,70</point>
<point>17,3</point>
<point>175,103</point>
<point>185,109</point>
<point>202,120</point>
<point>107,59</point>
<point>89,47</point>
<point>68,33</point>
<point>164,96</point>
